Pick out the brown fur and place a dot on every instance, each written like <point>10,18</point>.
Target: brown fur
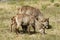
<point>26,19</point>
<point>30,11</point>
<point>34,12</point>
<point>21,18</point>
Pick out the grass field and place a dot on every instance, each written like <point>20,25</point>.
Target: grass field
<point>48,8</point>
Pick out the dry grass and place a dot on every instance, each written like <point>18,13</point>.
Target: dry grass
<point>7,10</point>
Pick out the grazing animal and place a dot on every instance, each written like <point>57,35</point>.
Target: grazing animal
<point>34,12</point>
<point>25,20</point>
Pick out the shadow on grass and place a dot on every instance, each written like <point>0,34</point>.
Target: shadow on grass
<point>50,26</point>
<point>31,32</point>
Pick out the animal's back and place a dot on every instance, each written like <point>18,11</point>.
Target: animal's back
<point>30,11</point>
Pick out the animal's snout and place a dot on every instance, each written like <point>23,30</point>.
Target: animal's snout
<point>46,24</point>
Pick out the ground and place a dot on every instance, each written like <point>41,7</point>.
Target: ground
<point>47,7</point>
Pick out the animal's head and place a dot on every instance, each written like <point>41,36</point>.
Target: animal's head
<point>45,21</point>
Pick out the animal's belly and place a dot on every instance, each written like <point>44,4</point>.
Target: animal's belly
<point>26,21</point>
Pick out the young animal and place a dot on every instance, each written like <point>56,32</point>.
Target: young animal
<point>27,21</point>
<point>34,12</point>
<point>23,19</point>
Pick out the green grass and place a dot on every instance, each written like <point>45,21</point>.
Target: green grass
<point>9,9</point>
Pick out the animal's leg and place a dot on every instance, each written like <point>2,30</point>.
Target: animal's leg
<point>34,29</point>
<point>17,28</point>
<point>29,29</point>
<point>13,24</point>
<point>24,28</point>
<point>11,27</point>
<point>42,31</point>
